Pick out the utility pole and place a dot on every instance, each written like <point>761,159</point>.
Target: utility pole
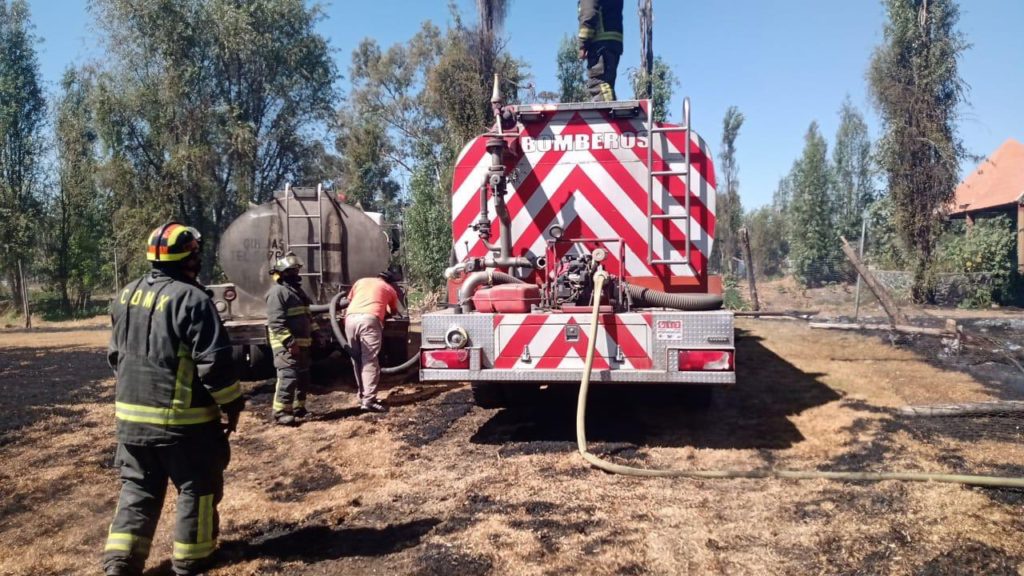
<point>646,10</point>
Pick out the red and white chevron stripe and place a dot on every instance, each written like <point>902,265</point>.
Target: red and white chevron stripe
<point>539,342</point>
<point>564,171</point>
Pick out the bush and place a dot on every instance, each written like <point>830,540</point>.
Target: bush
<point>984,255</point>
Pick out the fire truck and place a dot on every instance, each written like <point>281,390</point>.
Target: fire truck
<point>553,196</point>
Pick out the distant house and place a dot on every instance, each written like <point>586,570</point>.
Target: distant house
<point>996,186</point>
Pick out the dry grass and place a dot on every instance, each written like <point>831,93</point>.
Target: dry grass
<point>441,487</point>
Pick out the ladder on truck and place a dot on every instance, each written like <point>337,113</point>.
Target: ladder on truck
<point>652,174</point>
<point>313,244</point>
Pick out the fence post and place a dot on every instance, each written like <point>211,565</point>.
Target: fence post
<point>863,234</point>
<point>745,239</point>
<point>24,297</point>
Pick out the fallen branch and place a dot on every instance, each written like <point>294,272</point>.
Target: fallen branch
<point>967,409</point>
<point>784,314</point>
<point>895,315</point>
<point>945,332</point>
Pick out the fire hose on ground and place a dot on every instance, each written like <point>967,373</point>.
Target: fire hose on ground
<point>581,441</point>
<point>332,312</point>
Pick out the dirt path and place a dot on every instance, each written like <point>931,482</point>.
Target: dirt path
<point>441,487</point>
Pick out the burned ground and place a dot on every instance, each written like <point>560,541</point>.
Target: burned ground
<point>440,486</point>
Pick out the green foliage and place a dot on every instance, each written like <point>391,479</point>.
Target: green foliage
<point>769,246</point>
<point>854,188</point>
<point>664,85</point>
<point>79,213</point>
<point>883,245</point>
<point>728,207</point>
<point>204,106</point>
<point>732,297</point>
<point>428,222</point>
<point>813,241</point>
<point>572,72</point>
<point>985,255</point>
<point>22,121</point>
<point>917,88</point>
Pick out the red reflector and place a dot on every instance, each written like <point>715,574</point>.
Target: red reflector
<point>230,294</point>
<point>705,360</point>
<point>450,359</point>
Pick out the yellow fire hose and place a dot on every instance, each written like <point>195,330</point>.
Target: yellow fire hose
<point>581,442</point>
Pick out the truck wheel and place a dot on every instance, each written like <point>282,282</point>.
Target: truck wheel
<point>261,362</point>
<point>240,358</point>
<point>488,395</point>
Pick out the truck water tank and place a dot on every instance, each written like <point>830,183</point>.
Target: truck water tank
<point>354,246</point>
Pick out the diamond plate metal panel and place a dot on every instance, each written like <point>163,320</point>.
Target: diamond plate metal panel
<point>696,330</point>
<point>479,327</point>
<point>613,376</point>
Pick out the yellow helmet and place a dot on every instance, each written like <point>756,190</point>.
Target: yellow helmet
<point>173,242</point>
<point>286,262</point>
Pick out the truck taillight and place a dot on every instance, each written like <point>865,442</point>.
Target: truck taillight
<point>230,294</point>
<point>705,360</point>
<point>445,359</point>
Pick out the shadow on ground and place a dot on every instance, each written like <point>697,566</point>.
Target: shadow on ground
<point>753,414</point>
<point>36,383</point>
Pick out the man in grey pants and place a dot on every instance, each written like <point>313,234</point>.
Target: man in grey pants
<point>370,301</point>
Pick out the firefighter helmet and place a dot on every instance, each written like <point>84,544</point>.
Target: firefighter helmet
<point>173,242</point>
<point>287,262</point>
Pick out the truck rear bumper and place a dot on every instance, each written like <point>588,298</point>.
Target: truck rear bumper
<point>572,376</point>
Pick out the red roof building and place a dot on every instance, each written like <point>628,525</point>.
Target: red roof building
<point>996,186</point>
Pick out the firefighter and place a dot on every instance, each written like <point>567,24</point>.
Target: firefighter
<point>172,358</point>
<point>291,329</point>
<point>600,44</point>
<point>370,300</point>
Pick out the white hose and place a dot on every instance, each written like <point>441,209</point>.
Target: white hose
<point>581,443</point>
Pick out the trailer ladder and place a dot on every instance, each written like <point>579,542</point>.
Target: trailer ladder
<point>653,129</point>
<point>314,244</point>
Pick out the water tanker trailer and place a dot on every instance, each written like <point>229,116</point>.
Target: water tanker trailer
<point>553,197</point>
<point>338,244</point>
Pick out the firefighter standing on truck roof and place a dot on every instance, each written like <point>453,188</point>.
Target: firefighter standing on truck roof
<point>601,45</point>
<point>369,301</point>
<point>172,358</point>
<point>290,328</point>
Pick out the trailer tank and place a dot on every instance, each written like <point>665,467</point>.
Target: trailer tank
<point>337,242</point>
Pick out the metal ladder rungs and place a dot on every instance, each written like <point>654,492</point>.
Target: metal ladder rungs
<point>656,173</point>
<point>657,130</point>
<point>304,246</point>
<point>670,216</point>
<point>310,216</point>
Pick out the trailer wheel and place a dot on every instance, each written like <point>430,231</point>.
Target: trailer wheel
<point>261,362</point>
<point>488,395</point>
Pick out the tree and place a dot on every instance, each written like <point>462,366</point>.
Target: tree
<point>664,84</point>
<point>572,72</point>
<point>813,241</point>
<point>22,121</point>
<point>917,89</point>
<point>205,106</point>
<point>728,207</point>
<point>768,243</point>
<point>79,212</point>
<point>854,188</point>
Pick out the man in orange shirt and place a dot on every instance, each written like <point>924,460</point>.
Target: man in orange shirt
<point>370,300</point>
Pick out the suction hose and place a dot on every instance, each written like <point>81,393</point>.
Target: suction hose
<point>678,301</point>
<point>339,335</point>
<point>581,443</point>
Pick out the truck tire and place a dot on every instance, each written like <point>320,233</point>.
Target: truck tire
<point>261,362</point>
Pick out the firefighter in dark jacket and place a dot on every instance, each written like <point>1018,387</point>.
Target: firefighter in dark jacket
<point>600,43</point>
<point>175,379</point>
<point>290,328</point>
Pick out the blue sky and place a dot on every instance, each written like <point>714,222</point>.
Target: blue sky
<point>784,63</point>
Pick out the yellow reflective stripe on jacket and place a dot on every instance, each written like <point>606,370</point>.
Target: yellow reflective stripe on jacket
<point>165,416</point>
<point>304,342</point>
<point>183,379</point>
<point>183,551</point>
<point>586,33</point>
<point>605,36</point>
<point>297,311</point>
<point>125,542</point>
<point>227,394</point>
<point>277,338</point>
